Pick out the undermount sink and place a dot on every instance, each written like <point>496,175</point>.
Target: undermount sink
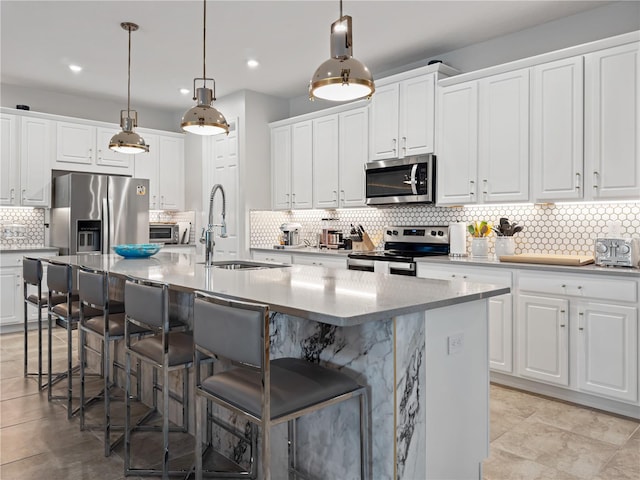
<point>243,265</point>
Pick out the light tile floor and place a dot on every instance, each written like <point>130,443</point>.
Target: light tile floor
<point>532,437</point>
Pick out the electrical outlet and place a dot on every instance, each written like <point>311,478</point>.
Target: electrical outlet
<point>455,343</point>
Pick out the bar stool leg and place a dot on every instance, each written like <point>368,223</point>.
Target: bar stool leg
<point>83,359</point>
<point>165,421</point>
<point>49,355</point>
<point>293,460</point>
<point>69,371</point>
<point>127,416</point>
<point>106,359</point>
<point>26,331</point>
<point>198,434</point>
<point>40,386</point>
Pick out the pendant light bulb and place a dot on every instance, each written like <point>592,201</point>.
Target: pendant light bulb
<point>204,118</point>
<point>342,77</point>
<point>127,141</point>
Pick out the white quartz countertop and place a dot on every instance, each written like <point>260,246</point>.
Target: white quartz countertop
<point>28,248</point>
<point>492,261</point>
<point>333,296</point>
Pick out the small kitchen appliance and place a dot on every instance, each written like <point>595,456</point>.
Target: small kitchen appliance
<point>402,245</point>
<point>164,232</point>
<point>290,234</point>
<point>398,181</point>
<point>618,252</point>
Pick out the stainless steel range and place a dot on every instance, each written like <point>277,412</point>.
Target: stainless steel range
<point>402,245</point>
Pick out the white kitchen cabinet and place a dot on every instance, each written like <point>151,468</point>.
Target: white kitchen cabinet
<point>340,143</point>
<point>484,141</point>
<point>278,257</point>
<point>10,163</point>
<point>163,166</point>
<point>543,338</point>
<point>500,307</point>
<point>292,166</point>
<point>85,147</point>
<point>557,130</point>
<point>589,323</point>
<point>612,123</point>
<point>26,175</point>
<point>320,260</point>
<point>402,118</point>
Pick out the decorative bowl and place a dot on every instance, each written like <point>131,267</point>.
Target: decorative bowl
<point>137,250</point>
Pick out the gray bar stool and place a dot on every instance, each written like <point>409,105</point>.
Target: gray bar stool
<point>264,392</point>
<point>32,272</point>
<point>169,348</point>
<point>66,314</point>
<point>93,289</point>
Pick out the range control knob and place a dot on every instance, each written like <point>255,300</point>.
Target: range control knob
<point>389,232</point>
<point>601,247</point>
<point>395,232</point>
<point>440,233</point>
<point>433,233</point>
<point>623,248</point>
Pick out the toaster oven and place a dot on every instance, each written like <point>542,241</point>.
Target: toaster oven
<point>164,233</point>
<point>618,252</point>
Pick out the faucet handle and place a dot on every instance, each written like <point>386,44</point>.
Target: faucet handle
<point>202,237</point>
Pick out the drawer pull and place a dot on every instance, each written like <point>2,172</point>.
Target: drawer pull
<point>562,325</point>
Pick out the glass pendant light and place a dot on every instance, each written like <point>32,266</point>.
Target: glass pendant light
<point>128,141</point>
<point>342,77</point>
<point>204,119</point>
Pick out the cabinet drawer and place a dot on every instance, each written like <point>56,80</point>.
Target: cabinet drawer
<point>15,259</point>
<point>493,276</point>
<point>320,261</point>
<point>272,257</point>
<point>606,288</point>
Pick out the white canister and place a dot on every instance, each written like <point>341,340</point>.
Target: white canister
<point>479,246</point>
<point>458,239</point>
<point>505,246</point>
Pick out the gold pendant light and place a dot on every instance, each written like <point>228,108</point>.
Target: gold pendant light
<point>204,119</point>
<point>342,77</point>
<point>128,141</point>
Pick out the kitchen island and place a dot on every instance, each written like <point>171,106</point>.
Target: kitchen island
<point>420,345</point>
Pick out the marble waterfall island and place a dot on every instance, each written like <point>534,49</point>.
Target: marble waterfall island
<point>420,345</point>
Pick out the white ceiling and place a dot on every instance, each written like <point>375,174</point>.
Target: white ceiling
<point>289,38</point>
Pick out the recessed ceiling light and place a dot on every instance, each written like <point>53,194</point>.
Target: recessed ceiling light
<point>184,91</point>
<point>75,68</point>
<point>252,63</point>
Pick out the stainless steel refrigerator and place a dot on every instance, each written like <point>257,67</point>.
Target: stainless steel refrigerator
<point>91,213</point>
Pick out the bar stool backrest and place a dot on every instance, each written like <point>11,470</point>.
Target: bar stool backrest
<point>32,270</point>
<point>232,329</point>
<point>93,287</point>
<point>147,302</point>
<point>59,278</point>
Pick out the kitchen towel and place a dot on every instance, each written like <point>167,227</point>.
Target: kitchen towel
<point>458,239</point>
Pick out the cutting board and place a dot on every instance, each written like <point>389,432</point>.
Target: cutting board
<point>549,259</point>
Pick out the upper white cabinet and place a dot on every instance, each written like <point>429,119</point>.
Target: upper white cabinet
<point>612,123</point>
<point>85,147</point>
<point>483,148</point>
<point>402,118</point>
<point>339,155</point>
<point>557,130</point>
<point>25,172</point>
<point>292,165</point>
<point>163,166</point>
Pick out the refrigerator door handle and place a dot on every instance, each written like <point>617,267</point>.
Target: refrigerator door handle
<point>106,226</point>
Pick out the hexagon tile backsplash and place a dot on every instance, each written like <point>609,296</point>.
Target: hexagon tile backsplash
<point>553,228</point>
<point>31,218</point>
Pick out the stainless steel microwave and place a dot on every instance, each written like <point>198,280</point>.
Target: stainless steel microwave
<point>164,233</point>
<point>404,180</point>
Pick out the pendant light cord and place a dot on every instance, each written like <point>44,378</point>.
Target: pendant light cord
<point>340,8</point>
<point>204,42</point>
<point>129,77</point>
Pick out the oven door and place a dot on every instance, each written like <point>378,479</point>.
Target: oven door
<point>407,180</point>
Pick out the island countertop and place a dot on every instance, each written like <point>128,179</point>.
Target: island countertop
<point>327,295</point>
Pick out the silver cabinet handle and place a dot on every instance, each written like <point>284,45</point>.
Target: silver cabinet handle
<point>404,144</point>
<point>13,194</point>
<point>342,195</point>
<point>578,181</point>
<point>580,327</point>
<point>485,187</point>
<point>23,194</point>
<point>395,143</point>
<point>596,179</point>
<point>472,187</point>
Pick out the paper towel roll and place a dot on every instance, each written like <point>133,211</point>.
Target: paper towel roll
<point>458,239</point>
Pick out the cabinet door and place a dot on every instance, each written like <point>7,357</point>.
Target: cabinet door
<point>501,333</point>
<point>35,173</point>
<point>417,115</point>
<point>11,311</point>
<point>321,261</point>
<point>503,164</point>
<point>75,143</point>
<point>326,162</point>
<point>9,162</point>
<point>354,144</point>
<point>171,173</point>
<point>384,122</point>
<point>608,350</point>
<point>147,166</point>
<point>302,164</point>
<point>612,123</point>
<point>106,156</point>
<point>225,163</point>
<point>458,144</point>
<point>557,130</point>
<point>543,339</point>
<point>281,167</point>
<point>272,257</point>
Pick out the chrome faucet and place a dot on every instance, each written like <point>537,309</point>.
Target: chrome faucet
<point>207,236</point>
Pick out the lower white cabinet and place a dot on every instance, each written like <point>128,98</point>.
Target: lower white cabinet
<point>278,257</point>
<point>11,287</point>
<point>320,260</point>
<point>500,307</point>
<point>580,332</point>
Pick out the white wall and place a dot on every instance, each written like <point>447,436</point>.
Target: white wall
<point>595,24</point>
<point>85,107</point>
